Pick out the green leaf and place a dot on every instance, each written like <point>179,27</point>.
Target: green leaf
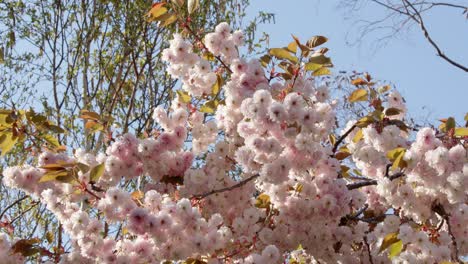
<point>83,167</point>
<point>316,41</point>
<point>263,201</point>
<point>395,249</point>
<point>358,95</point>
<point>184,96</point>
<point>449,124</point>
<point>96,172</point>
<point>7,141</point>
<point>209,107</point>
<point>283,53</point>
<point>461,131</point>
<point>321,71</point>
<point>388,241</point>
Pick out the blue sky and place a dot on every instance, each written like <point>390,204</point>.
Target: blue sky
<point>432,88</point>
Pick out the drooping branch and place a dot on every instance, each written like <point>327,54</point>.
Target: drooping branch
<point>239,184</point>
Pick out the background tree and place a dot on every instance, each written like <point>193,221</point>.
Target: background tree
<point>87,68</point>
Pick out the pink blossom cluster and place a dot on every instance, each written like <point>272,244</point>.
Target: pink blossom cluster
<point>196,182</point>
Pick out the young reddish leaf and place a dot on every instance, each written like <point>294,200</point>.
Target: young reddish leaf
<point>358,81</point>
<point>316,41</point>
<point>392,111</point>
<point>156,11</point>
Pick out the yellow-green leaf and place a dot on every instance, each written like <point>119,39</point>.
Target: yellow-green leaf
<point>156,11</point>
<point>85,114</point>
<point>7,141</point>
<point>53,175</point>
<point>209,107</point>
<point>394,153</point>
<point>388,241</point>
<point>184,96</point>
<point>217,85</point>
<point>283,53</point>
<point>395,249</point>
<point>358,136</point>
<point>292,47</point>
<point>96,172</point>
<point>169,20</point>
<point>320,59</point>
<point>461,131</point>
<point>49,236</point>
<point>53,141</point>
<point>321,71</point>
<point>310,66</point>
<point>263,201</point>
<point>358,95</point>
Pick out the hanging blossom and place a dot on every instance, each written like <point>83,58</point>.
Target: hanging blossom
<point>258,182</point>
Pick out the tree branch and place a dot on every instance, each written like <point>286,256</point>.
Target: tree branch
<point>342,137</point>
<point>239,184</point>
<point>357,185</point>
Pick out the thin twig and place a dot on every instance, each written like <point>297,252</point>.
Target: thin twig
<point>13,204</point>
<point>368,250</point>
<point>342,137</point>
<point>239,184</point>
<point>357,185</point>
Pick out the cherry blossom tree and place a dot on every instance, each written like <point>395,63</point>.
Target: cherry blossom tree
<point>248,165</point>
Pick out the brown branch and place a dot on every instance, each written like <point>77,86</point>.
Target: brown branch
<point>357,185</point>
<point>239,184</point>
<point>197,38</point>
<point>420,21</point>
<point>342,137</point>
<point>368,250</point>
<point>440,210</point>
<point>13,204</point>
